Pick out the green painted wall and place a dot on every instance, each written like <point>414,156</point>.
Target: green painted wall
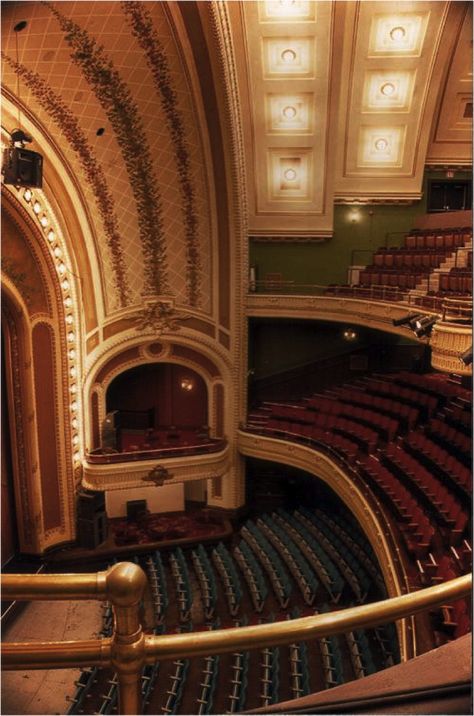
<point>327,262</point>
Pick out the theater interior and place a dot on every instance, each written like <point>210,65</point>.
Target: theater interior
<point>236,289</point>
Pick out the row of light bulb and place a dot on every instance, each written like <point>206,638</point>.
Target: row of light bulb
<point>57,253</point>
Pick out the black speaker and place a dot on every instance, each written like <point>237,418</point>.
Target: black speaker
<point>91,533</point>
<point>136,509</point>
<point>22,167</point>
<point>89,503</point>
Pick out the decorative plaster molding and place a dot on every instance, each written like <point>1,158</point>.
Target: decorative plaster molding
<point>365,312</point>
<point>448,342</point>
<point>121,476</point>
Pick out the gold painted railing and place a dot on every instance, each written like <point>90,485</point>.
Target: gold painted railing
<point>129,649</point>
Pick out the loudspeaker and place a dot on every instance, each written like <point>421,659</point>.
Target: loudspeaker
<point>91,519</point>
<point>136,509</point>
<point>22,167</point>
<point>89,503</point>
<point>91,533</point>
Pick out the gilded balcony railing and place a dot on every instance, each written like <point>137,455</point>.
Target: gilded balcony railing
<point>129,649</point>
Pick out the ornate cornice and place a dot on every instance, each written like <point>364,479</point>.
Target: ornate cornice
<point>364,312</point>
<point>122,476</point>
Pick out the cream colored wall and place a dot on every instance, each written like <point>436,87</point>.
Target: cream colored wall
<point>168,498</point>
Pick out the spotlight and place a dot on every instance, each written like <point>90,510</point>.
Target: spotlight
<point>421,327</point>
<point>405,319</point>
<point>466,357</point>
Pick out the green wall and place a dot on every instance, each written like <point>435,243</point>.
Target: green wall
<point>327,262</point>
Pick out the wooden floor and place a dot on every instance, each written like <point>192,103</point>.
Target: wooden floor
<point>45,691</point>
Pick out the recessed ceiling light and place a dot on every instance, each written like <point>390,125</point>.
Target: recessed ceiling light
<point>381,144</point>
<point>288,56</point>
<point>397,33</point>
<point>289,112</point>
<point>289,174</point>
<point>387,89</point>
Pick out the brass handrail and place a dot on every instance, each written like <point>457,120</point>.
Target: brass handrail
<point>129,649</point>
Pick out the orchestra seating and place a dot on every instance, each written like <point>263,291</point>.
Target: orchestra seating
<point>408,437</point>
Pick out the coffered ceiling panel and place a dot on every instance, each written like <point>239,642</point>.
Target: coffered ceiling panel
<point>391,86</point>
<point>286,74</point>
<point>452,133</point>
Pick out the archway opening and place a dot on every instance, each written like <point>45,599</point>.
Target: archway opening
<point>154,404</point>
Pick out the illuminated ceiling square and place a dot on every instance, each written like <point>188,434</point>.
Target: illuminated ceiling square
<point>289,173</point>
<point>282,10</point>
<point>400,34</point>
<point>288,57</point>
<point>381,146</point>
<point>388,91</point>
<point>289,114</point>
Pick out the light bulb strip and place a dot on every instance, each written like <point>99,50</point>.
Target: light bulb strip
<point>41,211</point>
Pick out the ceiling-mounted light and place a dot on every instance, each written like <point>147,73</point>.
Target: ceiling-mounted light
<point>288,56</point>
<point>289,112</point>
<point>422,326</point>
<point>290,174</point>
<point>387,89</point>
<point>397,33</point>
<point>381,144</point>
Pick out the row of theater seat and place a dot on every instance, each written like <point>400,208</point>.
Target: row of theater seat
<point>426,485</point>
<point>344,544</point>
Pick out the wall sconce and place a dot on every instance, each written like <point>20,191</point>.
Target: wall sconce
<point>354,216</point>
<point>349,334</point>
<point>187,384</point>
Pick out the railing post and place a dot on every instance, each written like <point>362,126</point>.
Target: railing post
<point>125,586</point>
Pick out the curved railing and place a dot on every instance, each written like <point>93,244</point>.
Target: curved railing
<point>129,649</point>
<point>107,456</point>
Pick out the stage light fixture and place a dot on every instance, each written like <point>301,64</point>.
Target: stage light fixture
<point>466,357</point>
<point>404,320</point>
<point>422,326</point>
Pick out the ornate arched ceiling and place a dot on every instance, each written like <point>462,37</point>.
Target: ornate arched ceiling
<point>335,102</point>
<point>112,83</point>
